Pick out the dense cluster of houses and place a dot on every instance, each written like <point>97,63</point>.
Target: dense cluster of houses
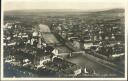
<point>28,48</point>
<point>105,36</point>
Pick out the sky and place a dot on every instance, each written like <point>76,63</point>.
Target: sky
<point>62,4</point>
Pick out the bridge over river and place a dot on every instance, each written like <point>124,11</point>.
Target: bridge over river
<point>81,60</point>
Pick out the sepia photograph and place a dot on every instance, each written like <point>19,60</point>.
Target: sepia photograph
<point>63,40</point>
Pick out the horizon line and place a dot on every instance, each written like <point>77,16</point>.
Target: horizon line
<point>68,9</point>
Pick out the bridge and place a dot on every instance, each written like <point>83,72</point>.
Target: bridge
<point>83,59</point>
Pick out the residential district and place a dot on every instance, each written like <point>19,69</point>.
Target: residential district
<point>63,46</point>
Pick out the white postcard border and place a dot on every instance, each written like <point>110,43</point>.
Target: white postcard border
<point>126,38</point>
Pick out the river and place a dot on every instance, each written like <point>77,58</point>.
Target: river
<point>99,69</point>
<point>47,35</point>
<point>82,60</point>
<point>79,60</point>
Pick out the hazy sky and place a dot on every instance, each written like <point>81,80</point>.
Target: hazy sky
<point>62,4</point>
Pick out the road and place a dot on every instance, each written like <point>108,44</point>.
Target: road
<point>81,60</point>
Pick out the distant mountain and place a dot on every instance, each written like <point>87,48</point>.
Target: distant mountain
<point>113,11</point>
<point>108,13</point>
<point>44,12</point>
<point>59,11</point>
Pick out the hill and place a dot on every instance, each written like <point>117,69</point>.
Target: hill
<point>61,12</point>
